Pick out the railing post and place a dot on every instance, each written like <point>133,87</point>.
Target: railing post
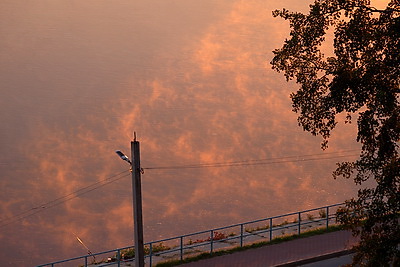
<point>119,257</point>
<point>270,229</point>
<point>212,239</point>
<point>327,217</point>
<point>150,254</point>
<point>86,261</point>
<point>299,231</point>
<point>241,235</point>
<point>181,248</point>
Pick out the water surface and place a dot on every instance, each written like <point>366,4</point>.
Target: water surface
<point>192,78</point>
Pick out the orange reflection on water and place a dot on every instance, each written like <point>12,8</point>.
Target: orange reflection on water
<point>213,99</point>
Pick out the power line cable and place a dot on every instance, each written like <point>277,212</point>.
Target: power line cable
<point>241,164</point>
<point>84,190</point>
<point>58,201</point>
<point>253,162</point>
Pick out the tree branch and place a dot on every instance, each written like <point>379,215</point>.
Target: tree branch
<point>373,9</point>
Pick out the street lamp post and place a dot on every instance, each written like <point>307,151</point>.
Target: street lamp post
<point>137,200</point>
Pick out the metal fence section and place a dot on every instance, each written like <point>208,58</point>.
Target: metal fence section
<point>209,241</point>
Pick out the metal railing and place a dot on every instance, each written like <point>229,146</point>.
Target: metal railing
<point>209,241</point>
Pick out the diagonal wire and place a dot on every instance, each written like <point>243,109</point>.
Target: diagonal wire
<point>63,199</point>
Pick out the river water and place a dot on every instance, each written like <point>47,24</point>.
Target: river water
<point>193,79</point>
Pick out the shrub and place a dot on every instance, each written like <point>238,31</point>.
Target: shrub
<point>322,213</point>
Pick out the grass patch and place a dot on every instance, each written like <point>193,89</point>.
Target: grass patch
<point>256,229</point>
<point>277,240</point>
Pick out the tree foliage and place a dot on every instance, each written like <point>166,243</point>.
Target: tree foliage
<point>362,80</point>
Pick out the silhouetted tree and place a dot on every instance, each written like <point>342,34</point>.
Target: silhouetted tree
<point>362,80</point>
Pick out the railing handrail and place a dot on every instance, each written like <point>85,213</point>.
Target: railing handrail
<point>202,232</point>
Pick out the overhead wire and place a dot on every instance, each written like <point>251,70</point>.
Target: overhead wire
<point>252,162</point>
<point>84,190</point>
<point>58,201</point>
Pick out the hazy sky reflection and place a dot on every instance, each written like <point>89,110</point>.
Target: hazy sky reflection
<point>191,77</point>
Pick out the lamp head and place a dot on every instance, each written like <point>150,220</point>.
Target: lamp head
<point>123,156</point>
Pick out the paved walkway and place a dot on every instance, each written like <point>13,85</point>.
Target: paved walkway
<point>284,253</point>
